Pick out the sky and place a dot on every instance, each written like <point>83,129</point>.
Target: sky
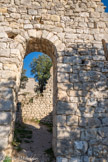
<point>28,58</point>
<point>106,4</point>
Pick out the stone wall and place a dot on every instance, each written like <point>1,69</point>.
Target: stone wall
<point>34,105</point>
<point>71,33</point>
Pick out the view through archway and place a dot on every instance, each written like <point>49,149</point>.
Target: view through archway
<point>34,116</point>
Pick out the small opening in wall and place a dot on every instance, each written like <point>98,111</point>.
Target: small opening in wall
<point>11,35</point>
<point>83,61</point>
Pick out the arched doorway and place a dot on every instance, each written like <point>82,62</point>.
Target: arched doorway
<point>43,45</point>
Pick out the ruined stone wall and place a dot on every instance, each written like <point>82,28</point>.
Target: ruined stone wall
<point>34,105</point>
<point>70,32</point>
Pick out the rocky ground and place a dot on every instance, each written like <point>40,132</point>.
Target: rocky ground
<point>33,143</point>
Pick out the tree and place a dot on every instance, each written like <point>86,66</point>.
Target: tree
<point>24,78</point>
<point>40,68</point>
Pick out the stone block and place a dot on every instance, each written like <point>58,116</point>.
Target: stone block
<point>100,150</point>
<point>59,45</point>
<point>86,159</point>
<point>74,78</point>
<point>105,121</point>
<point>91,76</point>
<point>95,14</point>
<point>6,93</point>
<point>61,159</point>
<point>80,147</point>
<point>73,93</point>
<point>28,26</point>
<point>62,77</point>
<point>3,143</point>
<point>92,102</point>
<point>1,18</point>
<point>2,156</point>
<point>12,67</point>
<point>78,86</point>
<point>3,10</point>
<point>63,132</point>
<point>64,68</point>
<point>1,66</point>
<point>32,33</point>
<point>54,38</point>
<point>26,2</point>
<point>5,52</point>
<point>55,18</point>
<point>15,15</point>
<point>32,12</point>
<point>74,99</point>
<point>89,122</point>
<point>64,147</point>
<point>75,134</point>
<point>61,120</point>
<point>72,120</point>
<point>99,58</point>
<point>65,86</point>
<point>4,131</point>
<point>89,134</point>
<point>6,105</point>
<point>5,118</point>
<point>3,35</point>
<point>62,95</point>
<point>66,108</point>
<point>77,159</point>
<point>72,60</point>
<point>3,45</point>
<point>38,34</point>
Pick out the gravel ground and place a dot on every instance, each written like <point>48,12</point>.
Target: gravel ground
<point>34,149</point>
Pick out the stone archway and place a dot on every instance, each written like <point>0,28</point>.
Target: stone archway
<point>75,30</point>
<point>21,47</point>
<point>47,47</point>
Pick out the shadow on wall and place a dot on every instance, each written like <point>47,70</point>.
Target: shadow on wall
<point>82,111</point>
<point>34,138</point>
<point>82,108</point>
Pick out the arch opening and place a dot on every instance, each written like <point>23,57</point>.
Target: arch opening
<point>46,47</point>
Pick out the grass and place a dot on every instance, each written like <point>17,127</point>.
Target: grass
<point>7,159</point>
<point>50,154</point>
<point>49,125</point>
<point>21,133</point>
<point>35,121</point>
<point>31,100</point>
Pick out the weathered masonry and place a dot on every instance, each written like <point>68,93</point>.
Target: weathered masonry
<point>71,33</point>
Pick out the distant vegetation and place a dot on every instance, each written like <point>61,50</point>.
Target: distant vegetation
<point>24,79</point>
<point>40,68</point>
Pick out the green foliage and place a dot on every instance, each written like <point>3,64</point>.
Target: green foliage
<point>24,78</point>
<point>49,125</point>
<point>7,159</point>
<point>31,100</point>
<point>40,68</point>
<point>21,133</point>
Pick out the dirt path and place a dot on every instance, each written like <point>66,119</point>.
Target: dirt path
<point>35,145</point>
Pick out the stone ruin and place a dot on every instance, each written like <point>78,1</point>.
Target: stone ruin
<point>33,105</point>
<point>70,32</point>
